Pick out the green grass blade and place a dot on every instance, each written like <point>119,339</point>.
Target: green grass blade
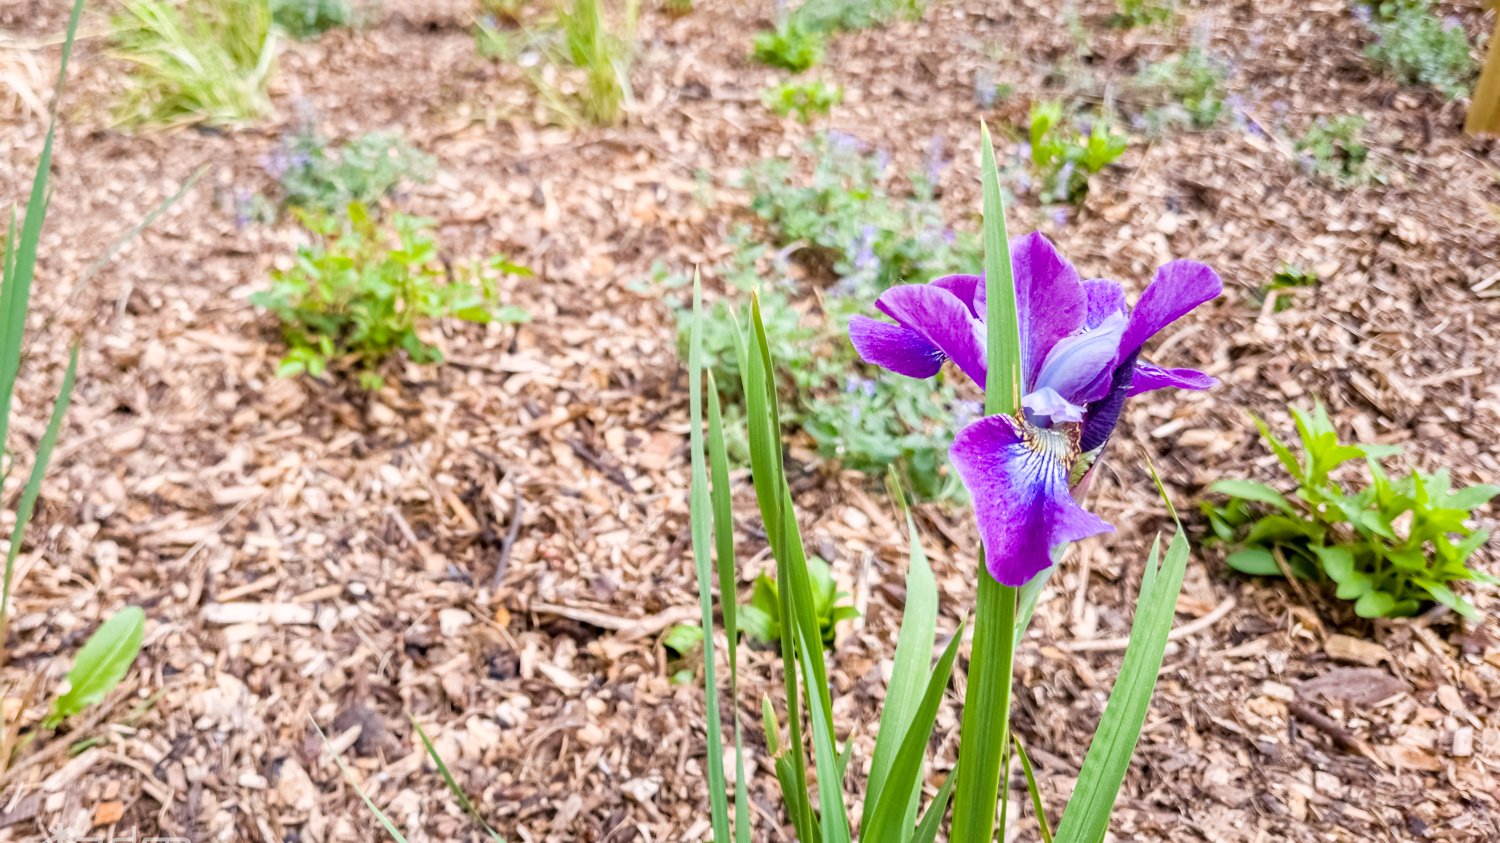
<point>1036,793</point>
<point>33,489</point>
<point>932,821</point>
<point>1086,817</point>
<point>458,792</point>
<point>984,739</point>
<point>723,509</point>
<point>888,821</point>
<point>701,511</point>
<point>15,297</point>
<point>833,814</point>
<point>914,642</point>
<point>390,827</point>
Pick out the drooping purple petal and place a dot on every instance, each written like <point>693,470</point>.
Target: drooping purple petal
<point>1049,299</point>
<point>1019,484</point>
<point>968,288</point>
<point>1105,298</point>
<point>1178,287</point>
<point>942,320</point>
<point>893,347</point>
<point>1148,377</point>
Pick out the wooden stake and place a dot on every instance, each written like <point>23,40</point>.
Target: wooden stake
<point>1484,110</point>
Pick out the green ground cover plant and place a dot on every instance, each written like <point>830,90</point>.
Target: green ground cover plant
<point>1189,87</point>
<point>315,175</point>
<point>311,18</point>
<point>1417,47</point>
<point>362,289</point>
<point>803,99</point>
<point>1332,149</point>
<point>203,62</point>
<point>1389,544</point>
<point>1064,154</point>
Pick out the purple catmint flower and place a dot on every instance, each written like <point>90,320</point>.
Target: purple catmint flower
<point>936,163</point>
<point>1452,22</point>
<point>1080,360</point>
<point>1363,14</point>
<point>1059,217</point>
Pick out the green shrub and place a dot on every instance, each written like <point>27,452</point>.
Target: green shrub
<point>803,99</point>
<point>309,18</point>
<point>790,46</point>
<point>203,62</point>
<point>1390,546</point>
<point>1331,149</point>
<point>1418,47</point>
<point>1192,87</point>
<point>361,291</point>
<point>1064,156</point>
<point>314,175</point>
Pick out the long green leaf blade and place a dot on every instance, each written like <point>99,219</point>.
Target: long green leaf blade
<point>889,818</point>
<point>984,737</point>
<point>914,642</point>
<point>700,512</point>
<point>834,817</point>
<point>1031,786</point>
<point>390,827</point>
<point>1086,817</point>
<point>452,783</point>
<point>932,821</point>
<point>33,488</point>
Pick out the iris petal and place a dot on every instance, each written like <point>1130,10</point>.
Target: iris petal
<point>1078,367</point>
<point>941,319</point>
<point>1178,287</point>
<point>1105,298</point>
<point>1148,377</point>
<point>1046,407</point>
<point>893,347</point>
<point>1050,300</point>
<point>1019,483</point>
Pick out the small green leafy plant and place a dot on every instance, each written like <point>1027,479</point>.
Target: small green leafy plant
<point>208,61</point>
<point>682,641</point>
<point>310,18</point>
<point>100,664</point>
<point>803,99</point>
<point>792,45</point>
<point>1287,278</point>
<point>1390,546</point>
<point>314,175</point>
<point>1133,13</point>
<point>761,618</point>
<point>1189,87</point>
<point>1418,47</point>
<point>359,293</point>
<point>1064,155</point>
<point>1331,149</point>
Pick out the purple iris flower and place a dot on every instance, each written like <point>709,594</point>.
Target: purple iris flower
<point>1080,360</point>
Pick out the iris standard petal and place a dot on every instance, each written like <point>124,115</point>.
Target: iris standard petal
<point>968,288</point>
<point>1105,298</point>
<point>1079,367</point>
<point>1018,480</point>
<point>893,347</point>
<point>942,320</point>
<point>1100,418</point>
<point>1148,377</point>
<point>1178,287</point>
<point>1049,299</point>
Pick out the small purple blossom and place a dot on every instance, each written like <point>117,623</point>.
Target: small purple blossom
<point>1080,360</point>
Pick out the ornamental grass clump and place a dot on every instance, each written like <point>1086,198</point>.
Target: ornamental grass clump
<point>1057,357</point>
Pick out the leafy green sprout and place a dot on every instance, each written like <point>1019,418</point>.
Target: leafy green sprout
<point>761,618</point>
<point>1133,13</point>
<point>209,61</point>
<point>682,641</point>
<point>1390,545</point>
<point>792,45</point>
<point>1288,278</point>
<point>1065,156</point>
<point>803,99</point>
<point>1332,149</point>
<point>361,290</point>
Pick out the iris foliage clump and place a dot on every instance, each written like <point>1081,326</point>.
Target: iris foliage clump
<point>848,230</point>
<point>1390,545</point>
<point>208,61</point>
<point>362,290</point>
